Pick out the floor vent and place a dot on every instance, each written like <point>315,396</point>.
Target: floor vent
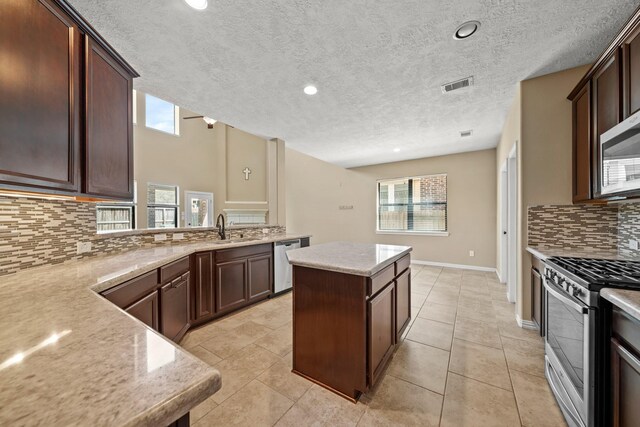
<point>458,84</point>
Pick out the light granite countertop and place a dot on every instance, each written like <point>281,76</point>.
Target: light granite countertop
<point>627,300</point>
<point>70,357</point>
<point>544,252</point>
<point>360,259</point>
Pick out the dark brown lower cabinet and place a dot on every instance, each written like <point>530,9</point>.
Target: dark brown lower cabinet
<point>625,370</point>
<point>203,299</point>
<point>403,302</point>
<point>146,310</point>
<point>174,306</point>
<point>381,330</point>
<point>537,294</point>
<point>260,274</point>
<point>231,291</point>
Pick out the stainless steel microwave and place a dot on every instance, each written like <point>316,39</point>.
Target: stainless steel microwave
<point>619,160</point>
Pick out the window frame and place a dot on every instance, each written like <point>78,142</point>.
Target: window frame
<point>176,207</point>
<point>176,116</point>
<point>410,205</point>
<point>132,206</point>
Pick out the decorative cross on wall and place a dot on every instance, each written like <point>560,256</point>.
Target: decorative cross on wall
<point>246,173</point>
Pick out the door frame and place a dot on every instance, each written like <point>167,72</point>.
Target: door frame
<point>197,194</point>
<point>512,223</point>
<point>502,238</point>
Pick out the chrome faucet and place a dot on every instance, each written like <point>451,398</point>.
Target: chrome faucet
<point>220,225</point>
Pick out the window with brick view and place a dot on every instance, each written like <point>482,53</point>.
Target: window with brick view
<point>413,204</point>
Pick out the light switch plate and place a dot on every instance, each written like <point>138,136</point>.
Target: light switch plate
<point>633,244</point>
<point>160,237</point>
<point>472,253</point>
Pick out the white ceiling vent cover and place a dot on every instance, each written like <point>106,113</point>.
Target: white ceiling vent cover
<point>458,84</point>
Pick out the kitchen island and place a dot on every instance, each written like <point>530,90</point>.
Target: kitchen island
<point>351,304</point>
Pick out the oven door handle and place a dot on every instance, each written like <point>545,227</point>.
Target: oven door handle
<point>566,300</point>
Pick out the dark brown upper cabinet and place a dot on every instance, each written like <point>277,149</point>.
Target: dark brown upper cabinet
<point>582,147</point>
<point>65,109</point>
<point>40,106</point>
<point>607,111</point>
<point>631,73</point>
<point>607,94</point>
<point>109,126</point>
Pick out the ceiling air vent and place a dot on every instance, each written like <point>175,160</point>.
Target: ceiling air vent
<point>458,84</point>
<point>465,133</point>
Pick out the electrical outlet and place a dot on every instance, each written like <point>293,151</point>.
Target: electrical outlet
<point>178,236</point>
<point>472,253</point>
<point>160,237</point>
<point>265,231</point>
<point>633,244</point>
<point>83,247</point>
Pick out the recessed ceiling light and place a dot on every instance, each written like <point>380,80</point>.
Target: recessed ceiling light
<point>466,30</point>
<point>396,150</point>
<point>310,90</point>
<point>197,4</point>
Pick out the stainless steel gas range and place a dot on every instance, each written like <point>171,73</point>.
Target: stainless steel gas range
<point>575,342</point>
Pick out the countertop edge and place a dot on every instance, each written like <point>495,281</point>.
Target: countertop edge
<point>178,405</point>
<point>536,253</point>
<point>619,298</point>
<point>353,271</point>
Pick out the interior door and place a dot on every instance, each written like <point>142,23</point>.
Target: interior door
<point>198,209</point>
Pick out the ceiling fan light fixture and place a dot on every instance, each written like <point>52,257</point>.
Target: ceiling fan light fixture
<point>197,4</point>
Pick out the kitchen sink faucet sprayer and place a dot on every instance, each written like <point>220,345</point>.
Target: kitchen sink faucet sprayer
<point>220,225</point>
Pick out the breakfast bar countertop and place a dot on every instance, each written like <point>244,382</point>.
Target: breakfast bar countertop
<point>360,259</point>
<point>70,357</point>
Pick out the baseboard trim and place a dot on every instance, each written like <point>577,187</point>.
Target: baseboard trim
<point>526,324</point>
<point>448,265</point>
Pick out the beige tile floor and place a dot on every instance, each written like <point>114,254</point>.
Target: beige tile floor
<point>463,362</point>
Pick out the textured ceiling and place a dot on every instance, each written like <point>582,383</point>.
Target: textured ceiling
<point>378,65</point>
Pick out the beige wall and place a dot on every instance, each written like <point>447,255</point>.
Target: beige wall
<point>544,156</point>
<point>209,160</point>
<point>316,189</point>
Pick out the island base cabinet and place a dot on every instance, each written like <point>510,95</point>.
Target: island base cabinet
<point>329,330</point>
<point>403,303</point>
<point>146,310</point>
<point>381,331</point>
<point>174,305</point>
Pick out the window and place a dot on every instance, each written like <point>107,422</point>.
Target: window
<point>117,216</point>
<point>416,204</point>
<point>162,206</point>
<point>161,115</point>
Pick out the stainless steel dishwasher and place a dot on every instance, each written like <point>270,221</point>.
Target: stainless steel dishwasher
<point>283,271</point>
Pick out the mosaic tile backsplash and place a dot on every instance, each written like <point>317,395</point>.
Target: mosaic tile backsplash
<point>585,226</point>
<point>628,227</point>
<point>573,226</point>
<point>35,232</point>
